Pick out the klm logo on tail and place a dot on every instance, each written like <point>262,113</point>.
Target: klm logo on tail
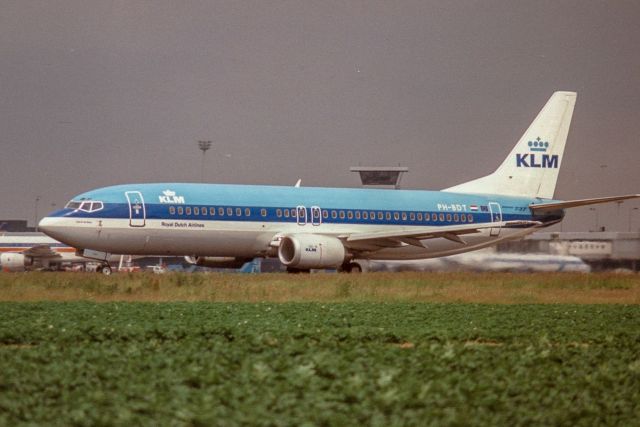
<point>529,160</point>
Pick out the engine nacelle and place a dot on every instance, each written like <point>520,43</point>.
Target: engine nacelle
<point>306,251</point>
<point>217,261</point>
<point>14,261</point>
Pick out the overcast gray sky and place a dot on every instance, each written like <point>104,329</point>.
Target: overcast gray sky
<point>95,93</point>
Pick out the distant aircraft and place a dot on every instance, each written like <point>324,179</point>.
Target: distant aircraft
<point>36,251</point>
<point>484,261</point>
<point>27,251</point>
<point>324,228</point>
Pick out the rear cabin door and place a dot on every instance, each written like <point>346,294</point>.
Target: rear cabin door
<point>496,216</point>
<point>137,211</point>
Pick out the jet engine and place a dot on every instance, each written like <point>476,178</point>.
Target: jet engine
<point>14,261</point>
<point>306,251</point>
<point>217,261</point>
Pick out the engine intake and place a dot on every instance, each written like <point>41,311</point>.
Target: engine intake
<point>14,261</point>
<point>306,251</point>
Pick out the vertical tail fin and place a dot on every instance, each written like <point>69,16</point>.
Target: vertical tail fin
<point>531,169</point>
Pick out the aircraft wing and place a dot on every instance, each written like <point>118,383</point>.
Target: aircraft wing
<point>414,236</point>
<point>41,251</point>
<point>552,206</point>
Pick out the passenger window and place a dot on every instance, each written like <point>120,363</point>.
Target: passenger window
<point>341,214</point>
<point>441,217</point>
<point>172,210</point>
<point>365,215</point>
<point>334,214</point>
<point>404,216</point>
<point>419,216</point>
<point>325,214</point>
<point>455,218</point>
<point>196,211</point>
<point>279,213</point>
<point>463,218</point>
<point>286,213</point>
<point>247,212</point>
<point>449,217</point>
<point>180,210</point>
<point>238,212</point>
<point>388,215</point>
<point>263,212</point>
<point>187,210</point>
<point>212,211</point>
<point>221,211</point>
<point>293,213</point>
<point>229,212</point>
<point>349,214</point>
<point>357,214</point>
<point>469,218</point>
<point>396,216</point>
<point>204,211</point>
<point>434,217</point>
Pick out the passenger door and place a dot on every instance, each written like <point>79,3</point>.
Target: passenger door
<point>137,211</point>
<point>496,216</point>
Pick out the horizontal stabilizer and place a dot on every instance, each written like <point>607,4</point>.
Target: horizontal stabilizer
<point>553,206</point>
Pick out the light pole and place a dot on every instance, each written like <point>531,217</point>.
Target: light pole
<point>630,212</point>
<point>36,213</point>
<point>595,211</point>
<point>204,146</point>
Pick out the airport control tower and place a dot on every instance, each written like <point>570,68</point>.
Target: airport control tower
<point>380,176</point>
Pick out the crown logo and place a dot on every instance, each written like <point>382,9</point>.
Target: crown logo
<point>538,145</point>
<point>169,193</point>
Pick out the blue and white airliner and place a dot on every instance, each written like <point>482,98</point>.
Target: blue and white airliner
<point>325,228</point>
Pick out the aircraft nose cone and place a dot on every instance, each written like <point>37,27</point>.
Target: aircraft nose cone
<point>49,226</point>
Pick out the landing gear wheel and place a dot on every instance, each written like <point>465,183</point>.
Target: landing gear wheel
<point>355,267</point>
<point>106,270</point>
<point>351,267</point>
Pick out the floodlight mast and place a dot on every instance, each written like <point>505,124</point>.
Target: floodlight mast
<point>204,146</point>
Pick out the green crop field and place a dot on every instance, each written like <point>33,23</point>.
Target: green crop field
<point>318,363</point>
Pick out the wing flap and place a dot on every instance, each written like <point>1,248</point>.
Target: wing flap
<point>41,251</point>
<point>415,235</point>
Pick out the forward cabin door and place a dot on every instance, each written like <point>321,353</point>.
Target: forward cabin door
<point>496,216</point>
<point>137,211</point>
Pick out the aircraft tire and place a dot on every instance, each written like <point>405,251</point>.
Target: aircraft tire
<point>106,270</point>
<point>351,267</point>
<point>354,267</point>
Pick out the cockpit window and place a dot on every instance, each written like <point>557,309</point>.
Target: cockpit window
<point>85,206</point>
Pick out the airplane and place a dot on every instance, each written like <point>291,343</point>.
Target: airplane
<point>484,260</point>
<point>24,251</point>
<point>29,251</point>
<point>221,225</point>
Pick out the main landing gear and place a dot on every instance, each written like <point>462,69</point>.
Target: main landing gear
<point>351,267</point>
<point>105,269</point>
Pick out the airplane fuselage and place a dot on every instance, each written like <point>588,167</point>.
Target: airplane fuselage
<point>246,221</point>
